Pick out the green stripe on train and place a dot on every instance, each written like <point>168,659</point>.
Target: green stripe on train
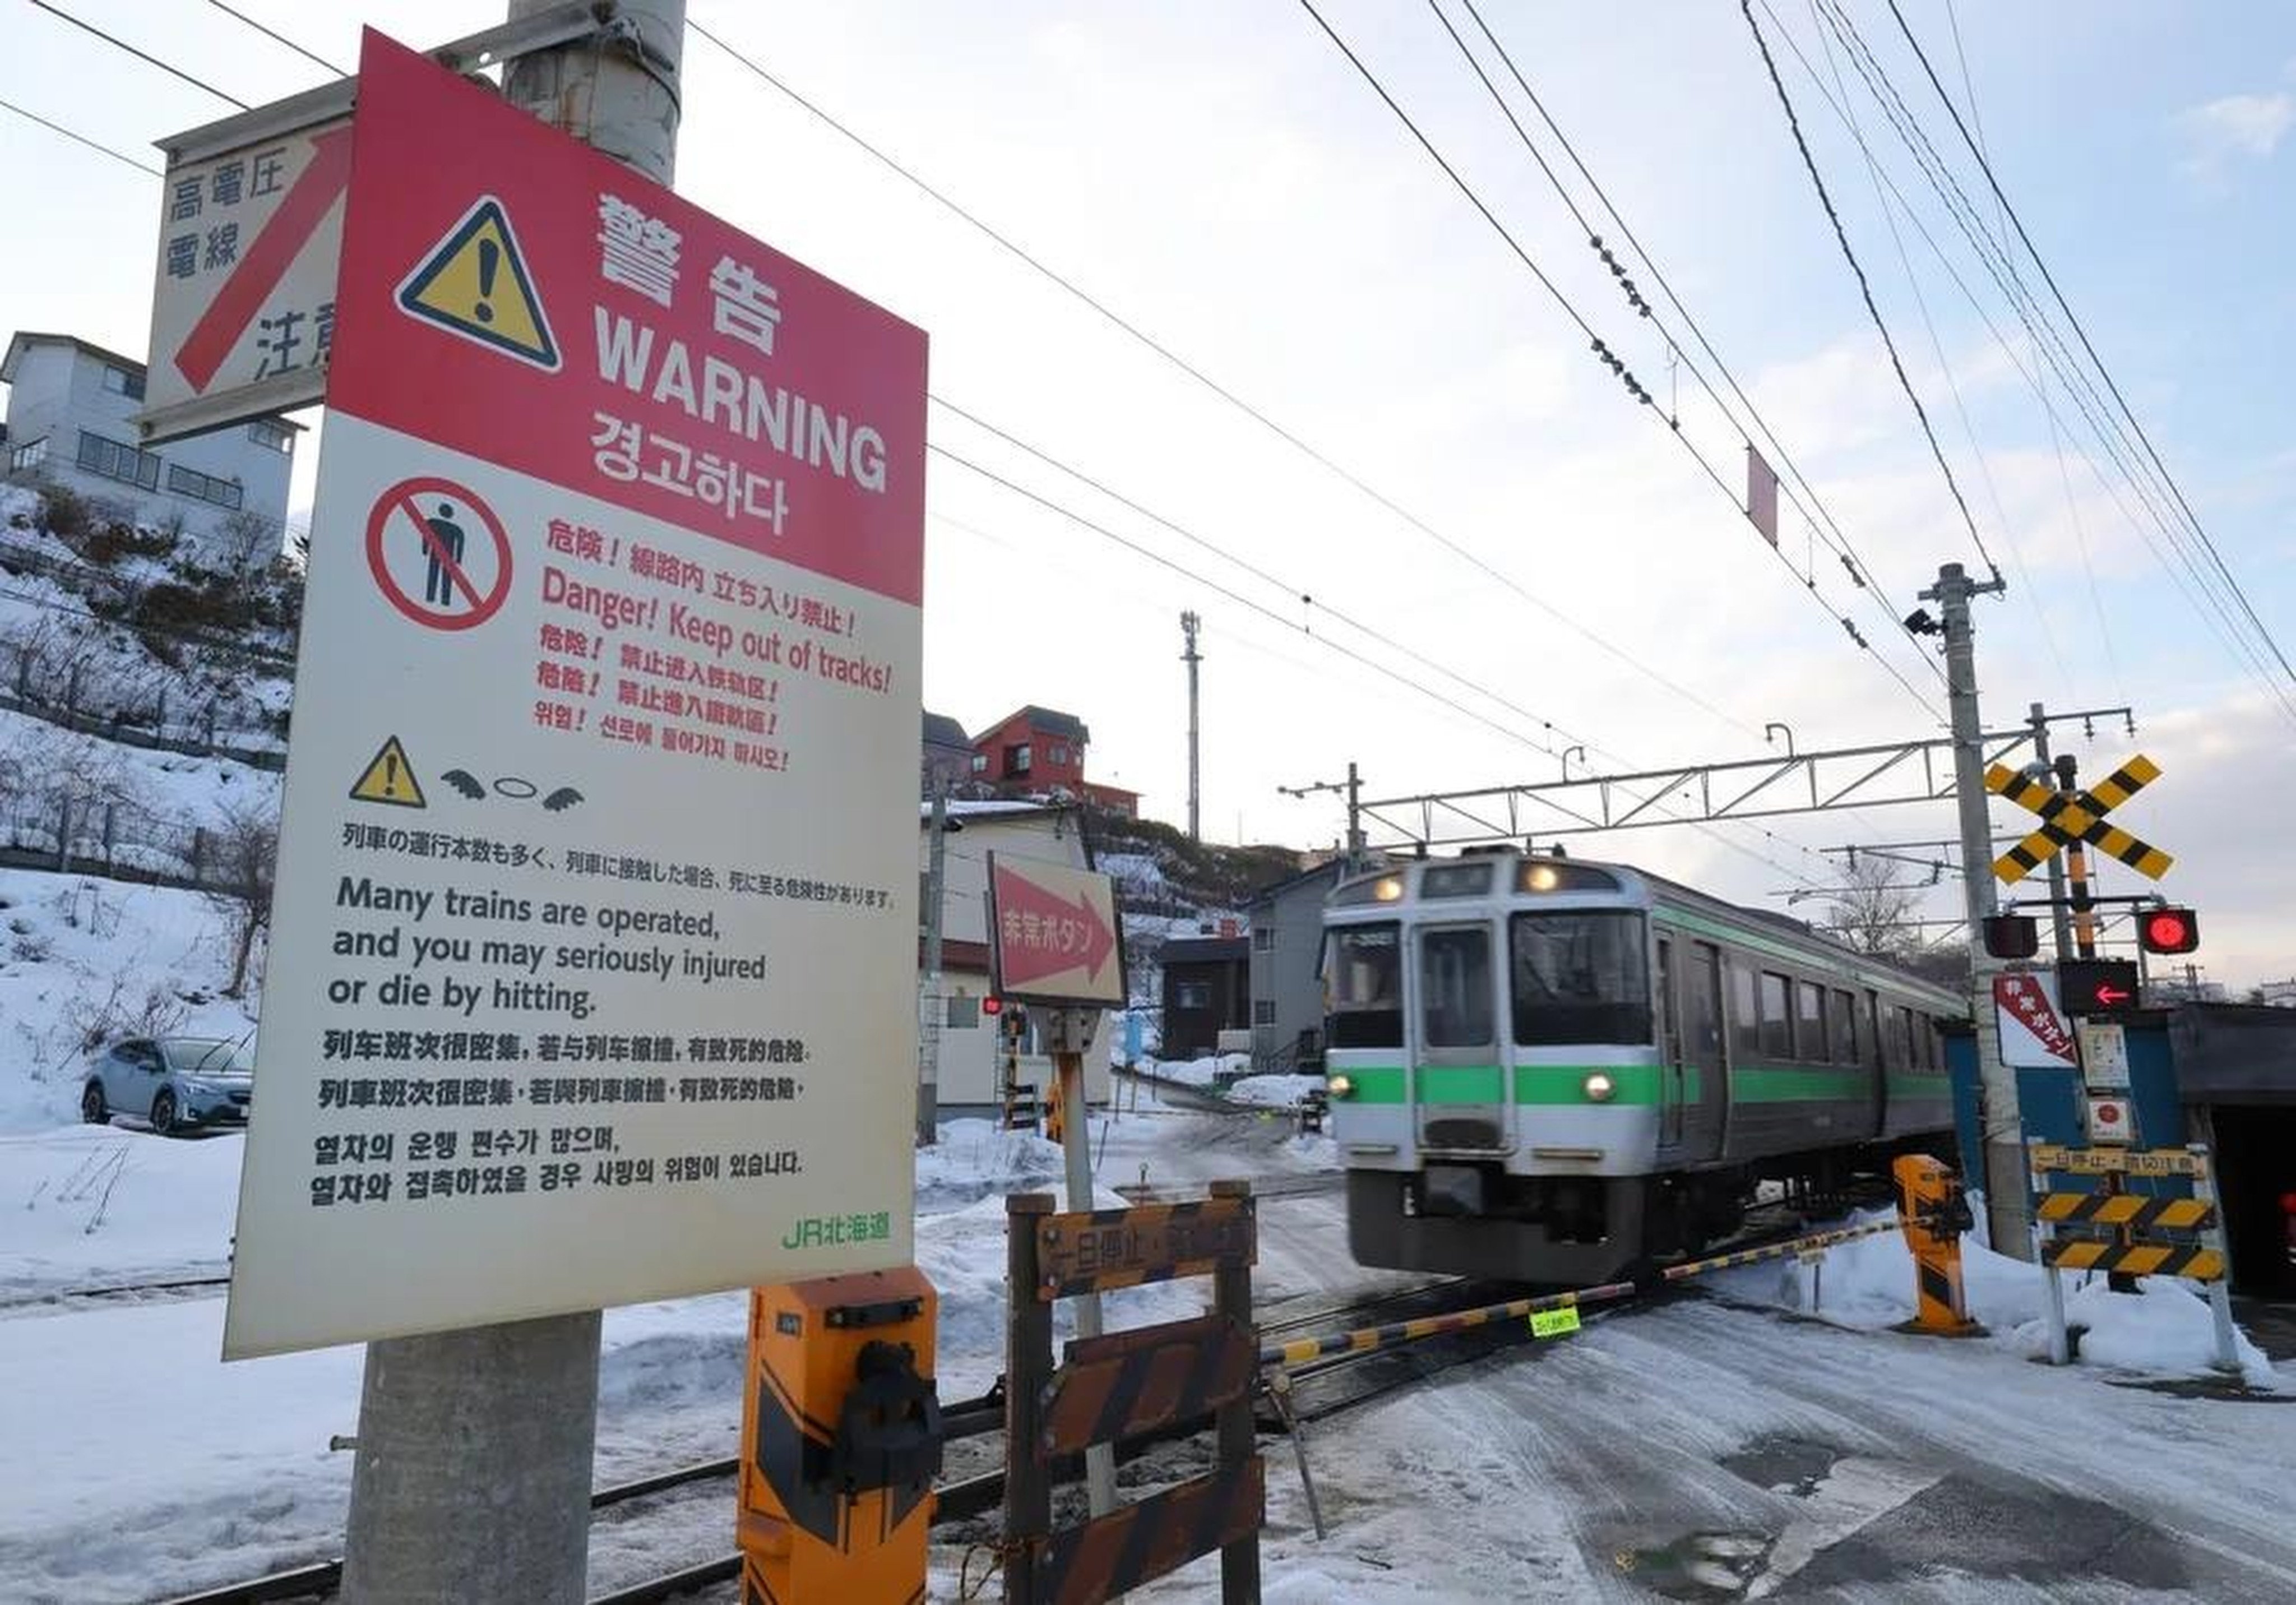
<point>1638,1085</point>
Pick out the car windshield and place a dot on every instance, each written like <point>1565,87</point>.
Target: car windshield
<point>208,1056</point>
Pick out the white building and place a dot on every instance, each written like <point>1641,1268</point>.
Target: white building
<point>969,1076</point>
<point>69,406</point>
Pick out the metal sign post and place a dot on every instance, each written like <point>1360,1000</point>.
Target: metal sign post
<point>1054,939</point>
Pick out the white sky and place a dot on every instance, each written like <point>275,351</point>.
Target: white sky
<point>1217,175</point>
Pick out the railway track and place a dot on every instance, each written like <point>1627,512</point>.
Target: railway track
<point>125,1293</point>
<point>1316,1388</point>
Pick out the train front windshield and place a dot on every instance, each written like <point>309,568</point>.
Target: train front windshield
<point>1580,976</point>
<point>1363,987</point>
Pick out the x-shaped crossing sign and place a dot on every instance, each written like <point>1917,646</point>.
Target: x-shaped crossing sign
<point>2070,816</point>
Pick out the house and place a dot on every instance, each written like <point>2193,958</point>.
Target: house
<point>947,759</point>
<point>1207,990</point>
<point>1039,751</point>
<point>969,1073</point>
<point>69,407</point>
<point>1287,969</point>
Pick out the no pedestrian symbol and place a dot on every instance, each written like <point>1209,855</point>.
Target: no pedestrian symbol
<point>439,553</point>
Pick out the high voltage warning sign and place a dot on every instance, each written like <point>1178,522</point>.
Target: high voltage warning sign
<point>474,283</point>
<point>2070,816</point>
<point>390,778</point>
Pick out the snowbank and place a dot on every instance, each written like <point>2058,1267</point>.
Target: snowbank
<point>974,1158</point>
<point>1198,1072</point>
<point>94,1206</point>
<point>2165,1329</point>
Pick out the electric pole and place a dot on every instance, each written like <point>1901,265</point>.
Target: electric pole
<point>2002,1125</point>
<point>931,1011</point>
<point>1190,657</point>
<point>1353,787</point>
<point>475,1447</point>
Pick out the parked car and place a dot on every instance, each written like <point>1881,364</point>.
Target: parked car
<point>179,1083</point>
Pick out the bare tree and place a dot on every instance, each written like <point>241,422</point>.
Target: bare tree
<point>1874,910</point>
<point>243,856</point>
<point>246,542</point>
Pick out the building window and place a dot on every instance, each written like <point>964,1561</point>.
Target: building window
<point>190,482</point>
<point>1060,754</point>
<point>273,437</point>
<point>28,456</point>
<point>121,381</point>
<point>1192,995</point>
<point>116,461</point>
<point>962,1012</point>
<point>1263,939</point>
<point>981,763</point>
<point>1263,1011</point>
<point>1016,759</point>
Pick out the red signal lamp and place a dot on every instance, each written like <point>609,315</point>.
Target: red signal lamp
<point>2168,931</point>
<point>992,1005</point>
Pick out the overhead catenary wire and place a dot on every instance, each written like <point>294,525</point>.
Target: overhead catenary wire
<point>2073,319</point>
<point>1274,426</point>
<point>1572,311</point>
<point>1864,289</point>
<point>1799,491</point>
<point>275,36</point>
<point>81,139</point>
<point>168,67</point>
<point>2051,354</point>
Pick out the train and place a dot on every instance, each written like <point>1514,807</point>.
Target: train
<point>1548,1070</point>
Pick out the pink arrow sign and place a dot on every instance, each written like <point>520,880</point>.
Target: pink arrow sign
<point>1052,922</point>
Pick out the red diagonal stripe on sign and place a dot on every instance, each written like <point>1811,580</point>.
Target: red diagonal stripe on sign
<point>435,547</point>
<point>288,230</point>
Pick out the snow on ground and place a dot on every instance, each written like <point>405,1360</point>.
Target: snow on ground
<point>170,786</point>
<point>83,958</point>
<point>1198,1072</point>
<point>2163,1331</point>
<point>1275,1092</point>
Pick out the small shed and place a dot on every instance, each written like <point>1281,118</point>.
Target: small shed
<point>1207,990</point>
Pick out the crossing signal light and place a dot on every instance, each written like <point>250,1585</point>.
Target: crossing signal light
<point>992,1005</point>
<point>2096,986</point>
<point>2168,931</point>
<point>2013,936</point>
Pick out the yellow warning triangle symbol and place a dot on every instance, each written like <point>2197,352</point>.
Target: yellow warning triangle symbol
<point>390,778</point>
<point>474,283</point>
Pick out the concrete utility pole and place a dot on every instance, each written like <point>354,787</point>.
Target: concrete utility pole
<point>931,1012</point>
<point>475,1447</point>
<point>1190,657</point>
<point>2008,1212</point>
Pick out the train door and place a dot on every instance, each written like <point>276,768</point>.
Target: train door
<point>1460,1083</point>
<point>1669,1049</point>
<point>1706,1089</point>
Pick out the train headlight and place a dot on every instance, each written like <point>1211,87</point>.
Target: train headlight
<point>1541,878</point>
<point>1598,1087</point>
<point>1390,890</point>
<point>1342,1087</point>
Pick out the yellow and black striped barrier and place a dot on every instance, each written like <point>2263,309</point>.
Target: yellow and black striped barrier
<point>2195,1260</point>
<point>1303,1351</point>
<point>2130,1211</point>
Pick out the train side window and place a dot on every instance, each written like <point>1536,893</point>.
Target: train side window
<point>1455,988</point>
<point>1845,1028</point>
<point>1745,1014</point>
<point>1810,1020</point>
<point>1777,1019</point>
<point>1363,985</point>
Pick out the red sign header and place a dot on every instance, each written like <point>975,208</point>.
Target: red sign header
<point>569,320</point>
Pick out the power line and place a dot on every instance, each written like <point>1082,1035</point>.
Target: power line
<point>1573,312</point>
<point>1864,289</point>
<point>121,43</point>
<point>82,139</point>
<point>2050,350</point>
<point>280,38</point>
<point>1149,341</point>
<point>1837,540</point>
<point>2073,319</point>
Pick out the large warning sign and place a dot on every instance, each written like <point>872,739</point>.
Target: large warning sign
<point>594,954</point>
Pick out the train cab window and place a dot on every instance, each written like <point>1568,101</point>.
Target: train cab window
<point>1844,1020</point>
<point>1363,987</point>
<point>1455,988</point>
<point>1777,1022</point>
<point>1810,1020</point>
<point>1580,976</point>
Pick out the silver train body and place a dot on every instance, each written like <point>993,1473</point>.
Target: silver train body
<point>1549,1069</point>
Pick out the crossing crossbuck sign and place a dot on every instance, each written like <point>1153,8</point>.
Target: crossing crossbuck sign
<point>2070,816</point>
